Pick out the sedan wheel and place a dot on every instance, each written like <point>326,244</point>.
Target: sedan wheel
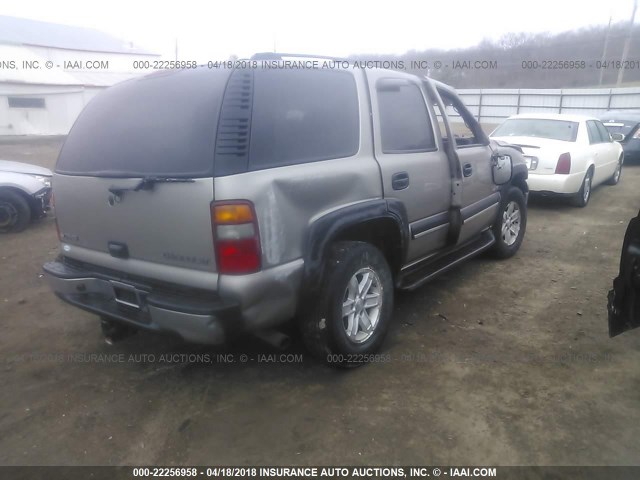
<point>615,178</point>
<point>15,212</point>
<point>8,215</point>
<point>584,194</point>
<point>586,188</point>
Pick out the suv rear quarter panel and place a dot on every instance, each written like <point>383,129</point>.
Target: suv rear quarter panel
<point>287,199</point>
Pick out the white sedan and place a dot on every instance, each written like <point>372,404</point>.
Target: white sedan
<point>566,154</point>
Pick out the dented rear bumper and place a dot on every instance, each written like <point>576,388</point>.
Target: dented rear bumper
<point>194,318</point>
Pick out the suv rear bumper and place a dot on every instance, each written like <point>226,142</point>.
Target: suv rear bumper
<point>200,320</point>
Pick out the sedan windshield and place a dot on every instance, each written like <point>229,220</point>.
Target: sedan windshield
<point>538,127</point>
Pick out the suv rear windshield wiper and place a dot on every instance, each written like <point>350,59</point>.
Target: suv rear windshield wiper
<point>147,183</point>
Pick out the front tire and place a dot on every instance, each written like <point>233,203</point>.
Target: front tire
<point>351,316</point>
<point>581,199</point>
<point>510,228</point>
<point>15,212</point>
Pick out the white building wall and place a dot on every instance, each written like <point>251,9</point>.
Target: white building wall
<point>62,104</point>
<point>65,91</point>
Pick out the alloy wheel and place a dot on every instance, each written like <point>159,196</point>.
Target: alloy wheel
<point>586,190</point>
<point>362,304</point>
<point>616,175</point>
<point>511,223</point>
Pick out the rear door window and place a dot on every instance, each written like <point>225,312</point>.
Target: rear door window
<point>405,126</point>
<point>302,116</point>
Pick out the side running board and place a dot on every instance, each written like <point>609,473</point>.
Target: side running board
<point>431,268</point>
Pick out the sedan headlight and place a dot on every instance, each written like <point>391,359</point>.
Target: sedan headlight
<point>46,181</point>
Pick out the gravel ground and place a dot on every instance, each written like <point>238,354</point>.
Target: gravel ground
<point>496,363</point>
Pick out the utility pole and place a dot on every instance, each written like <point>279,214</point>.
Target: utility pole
<point>627,43</point>
<point>604,50</point>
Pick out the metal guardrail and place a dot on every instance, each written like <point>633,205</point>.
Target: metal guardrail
<point>495,105</point>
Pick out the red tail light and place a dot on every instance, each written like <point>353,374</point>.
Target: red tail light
<point>564,164</point>
<point>236,237</point>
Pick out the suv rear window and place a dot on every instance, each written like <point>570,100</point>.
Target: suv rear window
<point>163,124</point>
<point>302,116</point>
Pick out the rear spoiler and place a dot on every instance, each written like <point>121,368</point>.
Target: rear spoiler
<point>509,145</point>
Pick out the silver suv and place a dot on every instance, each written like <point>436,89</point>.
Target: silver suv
<point>208,202</point>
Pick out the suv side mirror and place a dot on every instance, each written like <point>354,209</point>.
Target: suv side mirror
<point>502,169</point>
<point>617,137</point>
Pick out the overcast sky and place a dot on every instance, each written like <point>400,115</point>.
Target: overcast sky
<point>216,29</point>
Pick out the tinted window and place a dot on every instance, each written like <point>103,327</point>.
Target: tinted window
<point>404,120</point>
<point>538,127</point>
<point>604,134</point>
<point>161,124</point>
<point>302,116</point>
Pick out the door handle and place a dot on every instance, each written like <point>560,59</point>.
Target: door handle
<point>467,170</point>
<point>400,180</point>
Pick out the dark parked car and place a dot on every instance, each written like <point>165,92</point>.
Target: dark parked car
<point>624,299</point>
<point>627,124</point>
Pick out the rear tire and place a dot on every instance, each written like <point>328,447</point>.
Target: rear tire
<point>351,316</point>
<point>581,199</point>
<point>15,212</point>
<point>510,228</point>
<point>615,178</point>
